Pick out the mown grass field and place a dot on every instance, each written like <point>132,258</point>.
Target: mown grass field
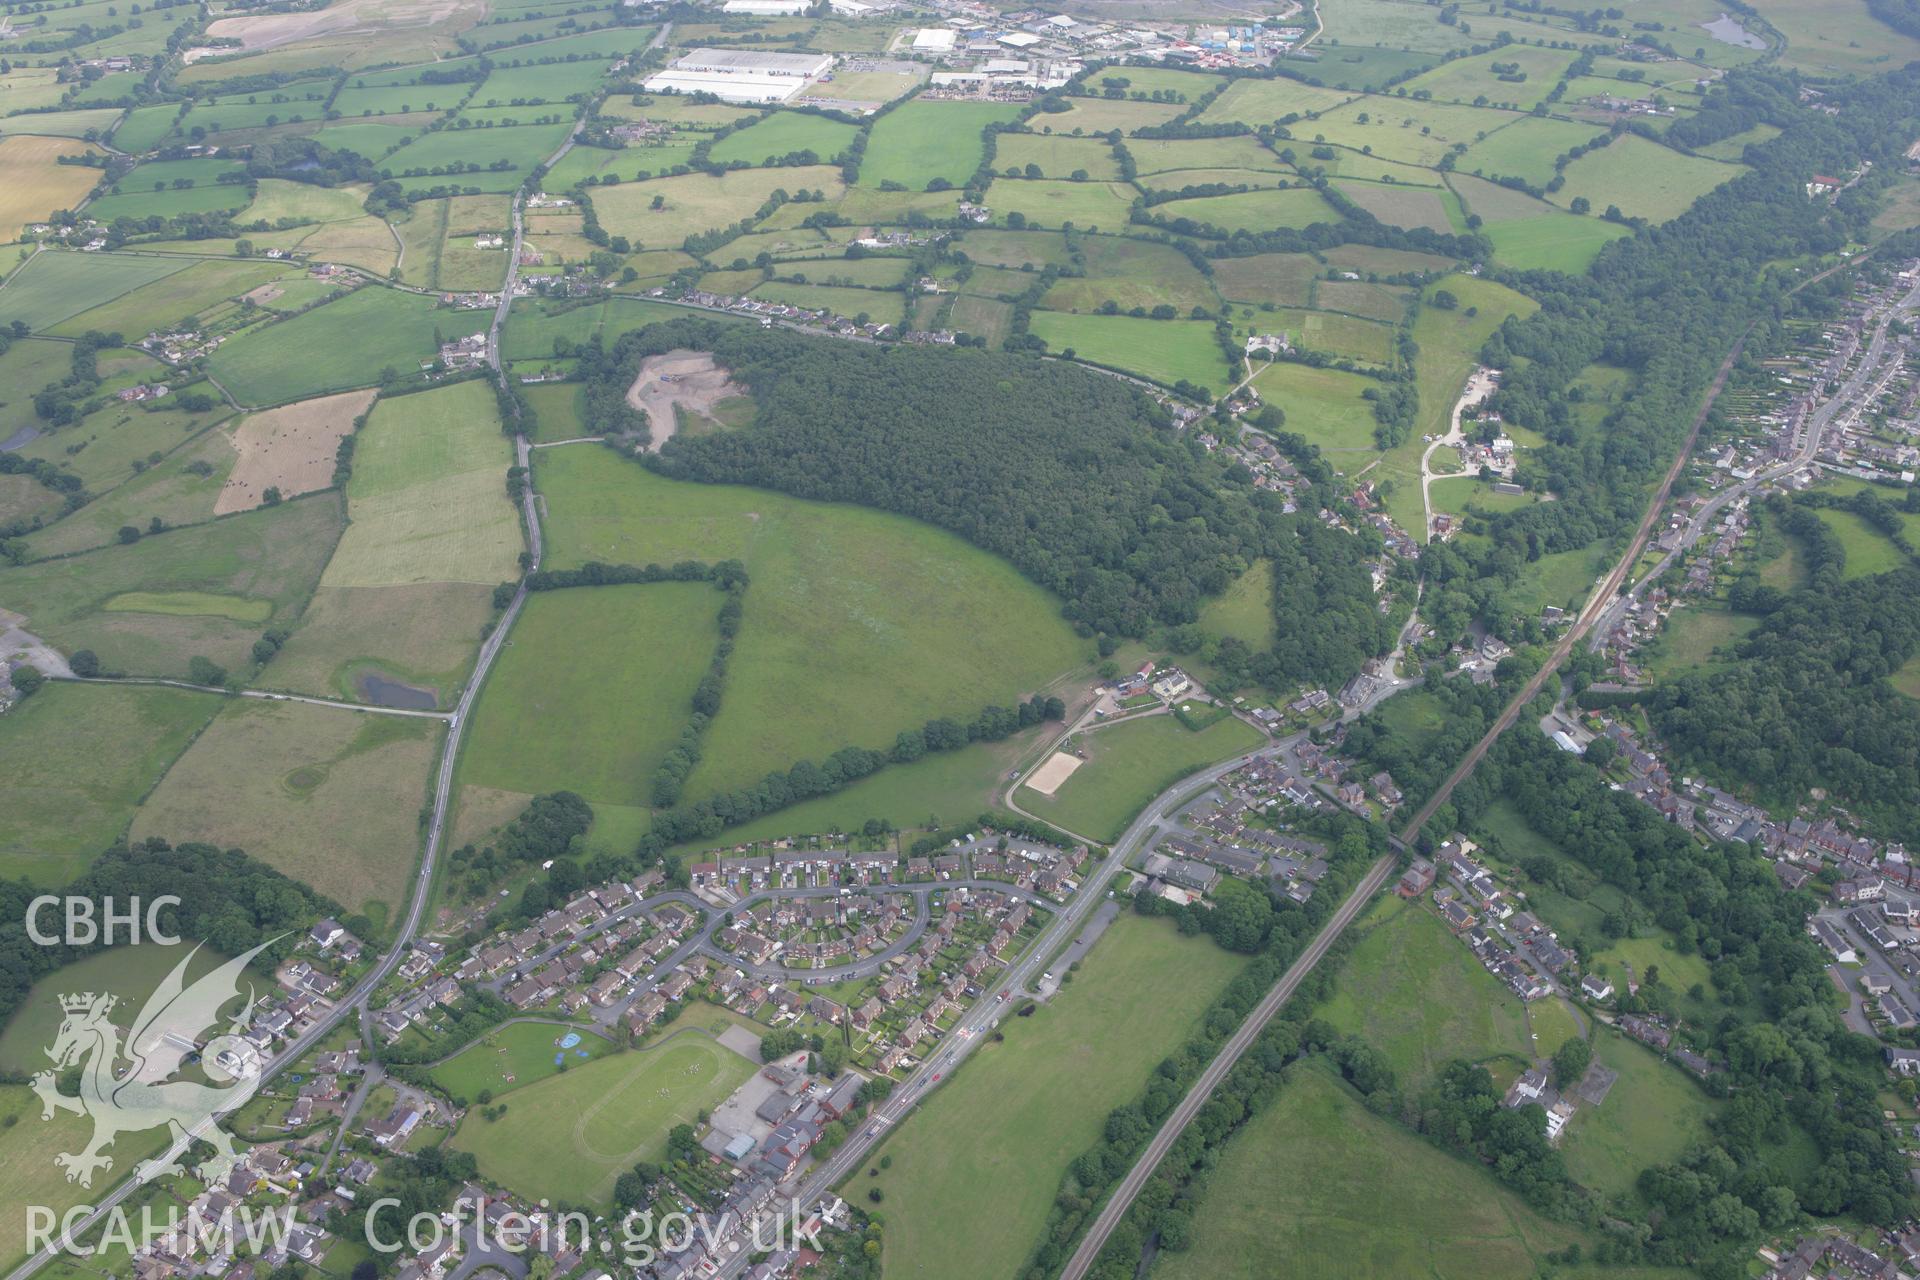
<point>566,708</point>
<point>569,1137</point>
<point>697,202</point>
<point>992,1144</point>
<point>341,345</point>
<point>514,1057</point>
<point>1415,992</point>
<point>57,283</point>
<point>273,555</point>
<point>1318,1185</point>
<point>921,140</point>
<point>427,500</point>
<point>857,624</point>
<point>1127,765</point>
<point>165,302</point>
<point>330,797</point>
<point>1163,351</point>
<point>78,759</point>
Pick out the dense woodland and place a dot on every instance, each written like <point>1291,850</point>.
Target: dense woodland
<point>228,900</point>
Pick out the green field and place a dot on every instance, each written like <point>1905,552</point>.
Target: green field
<point>56,284</point>
<point>781,134</point>
<point>1645,179</point>
<point>1245,609</point>
<point>922,140</point>
<point>694,203</point>
<point>1127,273</point>
<point>1163,351</point>
<point>273,555</point>
<point>78,759</point>
<point>992,1144</point>
<point>556,716</point>
<point>1400,205</point>
<point>1252,210</point>
<point>1045,202</point>
<point>1324,405</point>
<point>1317,1185</point>
<point>170,491</point>
<point>1416,993</point>
<point>1127,765</point>
<point>163,303</point>
<point>514,1057</point>
<point>1653,1114</point>
<point>1698,638</point>
<point>1868,550</point>
<point>330,797</point>
<point>568,1138</point>
<point>427,501</point>
<point>336,347</point>
<point>858,623</point>
<point>1056,155</point>
<point>1526,149</point>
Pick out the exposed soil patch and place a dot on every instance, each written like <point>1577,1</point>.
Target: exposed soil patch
<point>264,294</point>
<point>291,449</point>
<point>678,379</point>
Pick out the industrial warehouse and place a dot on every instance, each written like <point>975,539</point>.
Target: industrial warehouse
<point>740,75</point>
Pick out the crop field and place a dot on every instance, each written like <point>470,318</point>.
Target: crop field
<point>37,184</point>
<point>339,346</point>
<point>858,623</point>
<point>514,1057</point>
<point>56,284</point>
<point>1324,405</point>
<point>1129,763</point>
<point>1653,1114</point>
<point>1398,205</point>
<point>165,302</point>
<point>1416,993</point>
<point>571,1136</point>
<point>1318,1185</point>
<point>78,760</point>
<point>550,718</point>
<point>1382,302</point>
<point>697,202</point>
<point>1128,273</point>
<point>1253,210</point>
<point>994,1142</point>
<point>783,133</point>
<point>273,555</point>
<point>1644,178</point>
<point>1164,351</point>
<point>920,141</point>
<point>183,489</point>
<point>330,797</point>
<point>291,448</point>
<point>1056,156</point>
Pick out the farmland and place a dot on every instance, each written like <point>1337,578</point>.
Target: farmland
<point>56,285</point>
<point>78,760</point>
<point>997,1140</point>
<point>1165,351</point>
<point>329,797</point>
<point>37,184</point>
<point>857,624</point>
<point>339,346</point>
<point>921,141</point>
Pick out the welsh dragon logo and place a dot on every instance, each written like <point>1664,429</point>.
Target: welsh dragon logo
<point>150,1090</point>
